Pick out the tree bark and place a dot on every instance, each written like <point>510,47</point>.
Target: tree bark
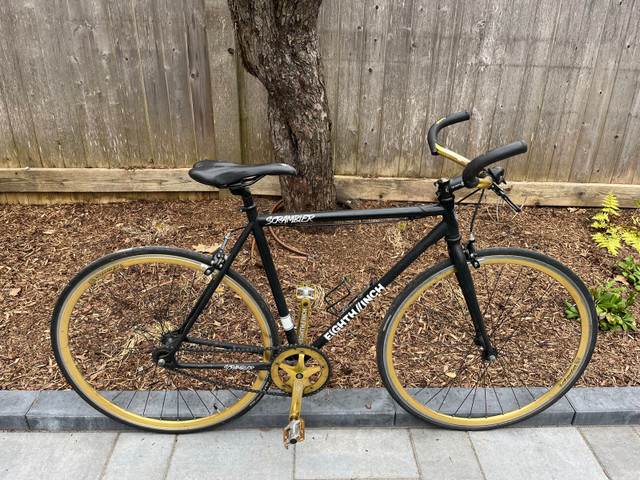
<point>278,44</point>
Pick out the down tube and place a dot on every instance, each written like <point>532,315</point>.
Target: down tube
<point>369,294</point>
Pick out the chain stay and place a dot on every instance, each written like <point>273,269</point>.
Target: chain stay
<point>277,349</point>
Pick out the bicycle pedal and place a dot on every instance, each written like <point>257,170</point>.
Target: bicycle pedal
<point>293,433</point>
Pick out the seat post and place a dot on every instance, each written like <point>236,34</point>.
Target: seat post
<point>249,205</point>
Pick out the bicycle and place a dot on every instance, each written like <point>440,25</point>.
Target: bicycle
<point>170,340</point>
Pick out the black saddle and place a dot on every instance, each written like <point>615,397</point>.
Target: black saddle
<point>229,175</point>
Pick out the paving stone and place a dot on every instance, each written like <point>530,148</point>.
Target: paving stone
<point>231,454</point>
<point>355,453</point>
<point>560,413</point>
<point>329,408</point>
<point>520,453</point>
<point>605,406</point>
<point>270,412</point>
<point>66,411</point>
<point>354,407</point>
<point>139,455</point>
<point>445,454</point>
<point>14,406</point>
<point>616,448</point>
<point>78,455</point>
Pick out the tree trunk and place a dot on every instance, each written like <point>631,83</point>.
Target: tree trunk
<point>278,44</point>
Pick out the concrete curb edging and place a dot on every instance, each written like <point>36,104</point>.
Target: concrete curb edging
<point>66,411</point>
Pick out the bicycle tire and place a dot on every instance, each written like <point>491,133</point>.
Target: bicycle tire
<point>114,313</point>
<point>431,365</point>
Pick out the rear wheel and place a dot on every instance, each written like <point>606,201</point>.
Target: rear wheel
<point>118,316</point>
<point>432,365</point>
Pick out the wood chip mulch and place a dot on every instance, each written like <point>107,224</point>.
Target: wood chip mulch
<point>42,247</point>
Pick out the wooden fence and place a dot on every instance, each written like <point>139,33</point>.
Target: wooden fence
<point>157,84</point>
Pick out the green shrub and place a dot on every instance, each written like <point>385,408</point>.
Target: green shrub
<point>612,306</point>
<point>613,232</point>
<point>631,271</point>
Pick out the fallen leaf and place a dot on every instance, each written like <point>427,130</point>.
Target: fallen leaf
<point>206,248</point>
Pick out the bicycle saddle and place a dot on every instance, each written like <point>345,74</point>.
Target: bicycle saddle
<point>227,174</point>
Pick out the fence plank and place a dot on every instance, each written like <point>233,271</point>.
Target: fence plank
<point>329,47</point>
<point>62,92</point>
<point>446,40</point>
<point>459,94</point>
<point>347,121</point>
<point>598,101</point>
<point>394,88</point>
<point>106,143</point>
<point>584,37</point>
<point>376,21</point>
<point>110,181</point>
<point>421,46</point>
<point>519,108</point>
<point>34,124</point>
<point>617,157</point>
<point>176,70</point>
<point>223,70</point>
<point>8,155</point>
<point>123,31</point>
<point>151,50</point>
<point>198,77</point>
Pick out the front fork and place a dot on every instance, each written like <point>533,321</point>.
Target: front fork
<point>463,274</point>
<point>461,260</point>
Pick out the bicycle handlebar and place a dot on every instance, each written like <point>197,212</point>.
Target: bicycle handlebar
<point>474,167</point>
<point>432,136</point>
<point>471,171</point>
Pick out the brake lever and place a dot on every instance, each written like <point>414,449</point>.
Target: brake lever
<point>498,191</point>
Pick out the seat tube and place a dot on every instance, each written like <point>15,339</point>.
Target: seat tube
<point>267,262</point>
<point>463,273</point>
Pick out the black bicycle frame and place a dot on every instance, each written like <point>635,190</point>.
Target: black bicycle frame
<point>447,228</point>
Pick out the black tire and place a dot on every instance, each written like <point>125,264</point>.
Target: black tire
<point>432,367</point>
<point>113,314</point>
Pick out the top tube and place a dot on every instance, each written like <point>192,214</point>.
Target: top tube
<point>296,219</point>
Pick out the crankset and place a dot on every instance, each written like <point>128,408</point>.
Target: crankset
<point>299,370</point>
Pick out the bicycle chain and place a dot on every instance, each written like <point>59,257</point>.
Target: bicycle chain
<point>277,350</point>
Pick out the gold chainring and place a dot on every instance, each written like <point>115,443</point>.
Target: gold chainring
<point>303,363</point>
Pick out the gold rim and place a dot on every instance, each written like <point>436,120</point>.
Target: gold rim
<point>505,417</point>
<point>140,420</point>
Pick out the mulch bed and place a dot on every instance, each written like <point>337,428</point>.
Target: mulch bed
<point>42,247</point>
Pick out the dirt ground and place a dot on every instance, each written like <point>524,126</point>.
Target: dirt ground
<point>42,247</point>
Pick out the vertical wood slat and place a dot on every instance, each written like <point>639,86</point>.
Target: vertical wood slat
<point>14,89</point>
<point>329,24</point>
<point>223,69</point>
<point>123,30</point>
<point>198,77</point>
<point>419,75</point>
<point>376,22</point>
<point>620,134</point>
<point>519,118</point>
<point>446,40</point>
<point>346,125</point>
<point>599,95</point>
<point>106,143</point>
<point>176,70</point>
<point>150,46</point>
<point>394,87</point>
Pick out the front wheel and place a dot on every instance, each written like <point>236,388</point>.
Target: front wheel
<point>119,315</point>
<point>433,366</point>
